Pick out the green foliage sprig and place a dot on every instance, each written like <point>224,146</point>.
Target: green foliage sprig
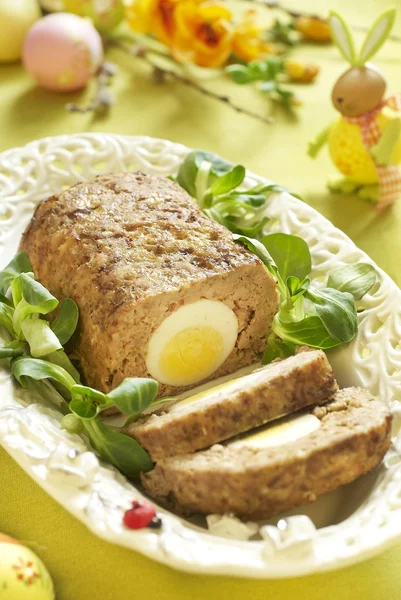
<point>39,362</point>
<point>267,74</point>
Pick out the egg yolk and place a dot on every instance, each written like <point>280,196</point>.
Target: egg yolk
<point>191,355</point>
<point>285,430</point>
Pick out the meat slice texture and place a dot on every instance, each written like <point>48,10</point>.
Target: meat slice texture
<point>352,437</point>
<point>162,290</point>
<point>237,406</point>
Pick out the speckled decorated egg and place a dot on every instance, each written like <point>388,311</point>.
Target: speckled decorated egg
<point>62,51</point>
<point>105,14</point>
<point>23,575</point>
<point>16,18</point>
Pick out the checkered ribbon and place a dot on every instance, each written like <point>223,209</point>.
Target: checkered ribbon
<point>389,177</point>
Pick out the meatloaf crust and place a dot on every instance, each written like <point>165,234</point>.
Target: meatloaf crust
<point>132,248</point>
<point>354,435</point>
<point>276,390</point>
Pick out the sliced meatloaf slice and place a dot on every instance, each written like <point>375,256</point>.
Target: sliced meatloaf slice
<point>134,249</point>
<point>224,411</point>
<point>256,483</point>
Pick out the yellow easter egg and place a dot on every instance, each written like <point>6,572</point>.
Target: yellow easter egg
<point>16,18</point>
<point>23,576</point>
<point>105,15</point>
<point>348,152</point>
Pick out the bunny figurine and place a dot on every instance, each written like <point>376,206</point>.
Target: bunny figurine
<point>365,143</point>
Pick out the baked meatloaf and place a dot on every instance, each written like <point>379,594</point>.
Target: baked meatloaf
<point>162,290</point>
<point>256,482</point>
<point>242,404</point>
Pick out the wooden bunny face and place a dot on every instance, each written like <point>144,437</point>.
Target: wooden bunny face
<point>358,91</point>
<point>361,88</point>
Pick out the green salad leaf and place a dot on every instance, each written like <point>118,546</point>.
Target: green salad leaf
<point>228,181</point>
<point>66,321</point>
<point>277,348</point>
<point>309,331</point>
<point>337,312</point>
<point>274,188</point>
<point>87,402</point>
<point>30,297</point>
<point>84,409</point>
<point>216,185</point>
<point>297,288</point>
<point>355,279</point>
<point>230,224</point>
<point>5,300</point>
<point>260,250</point>
<point>189,168</point>
<point>60,358</point>
<point>72,423</point>
<point>117,448</point>
<point>10,352</point>
<point>6,317</point>
<point>19,264</point>
<point>36,295</point>
<point>40,337</point>
<point>15,289</point>
<point>25,367</point>
<point>45,391</point>
<point>290,253</point>
<point>133,395</point>
<point>84,391</point>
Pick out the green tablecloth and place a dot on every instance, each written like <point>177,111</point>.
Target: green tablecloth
<point>84,567</point>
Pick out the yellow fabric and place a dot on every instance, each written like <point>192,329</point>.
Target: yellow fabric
<point>84,567</point>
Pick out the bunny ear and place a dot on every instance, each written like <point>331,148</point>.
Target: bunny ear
<point>342,36</point>
<point>377,35</point>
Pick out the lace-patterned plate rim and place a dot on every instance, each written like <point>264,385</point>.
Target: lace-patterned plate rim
<point>95,493</point>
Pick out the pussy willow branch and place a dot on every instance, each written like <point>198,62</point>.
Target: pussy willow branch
<point>296,13</point>
<point>160,73</point>
<point>273,4</point>
<point>103,98</point>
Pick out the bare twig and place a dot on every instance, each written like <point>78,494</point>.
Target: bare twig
<point>296,13</point>
<point>161,73</point>
<point>103,98</point>
<point>274,4</point>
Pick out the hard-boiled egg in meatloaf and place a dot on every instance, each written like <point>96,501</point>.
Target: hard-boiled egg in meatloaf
<point>192,343</point>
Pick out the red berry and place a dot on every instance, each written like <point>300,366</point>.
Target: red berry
<point>140,516</point>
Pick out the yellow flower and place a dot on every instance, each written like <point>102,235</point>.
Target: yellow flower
<point>155,17</point>
<point>248,42</point>
<point>301,72</point>
<point>313,29</point>
<point>203,33</point>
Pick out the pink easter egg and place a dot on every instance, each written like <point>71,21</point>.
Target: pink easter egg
<point>62,51</point>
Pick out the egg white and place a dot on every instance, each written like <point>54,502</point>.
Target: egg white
<point>200,314</point>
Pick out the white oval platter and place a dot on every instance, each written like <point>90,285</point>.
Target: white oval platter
<point>341,528</point>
